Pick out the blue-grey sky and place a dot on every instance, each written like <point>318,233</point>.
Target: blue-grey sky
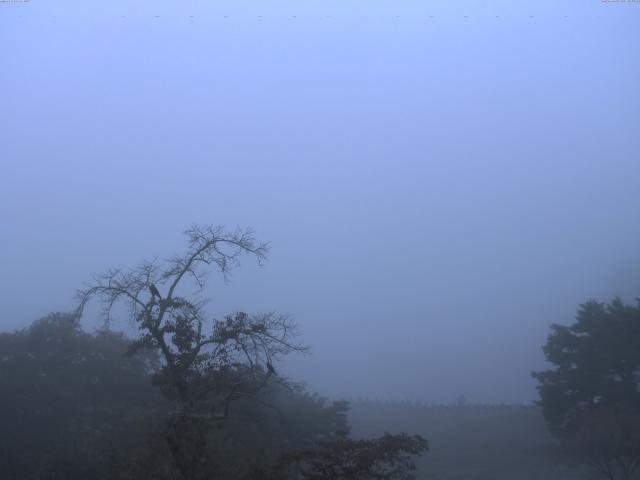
<point>440,181</point>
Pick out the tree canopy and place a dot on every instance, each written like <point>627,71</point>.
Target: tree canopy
<point>208,365</point>
<point>72,402</point>
<point>591,396</point>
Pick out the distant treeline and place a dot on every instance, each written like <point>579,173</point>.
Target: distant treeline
<point>404,404</point>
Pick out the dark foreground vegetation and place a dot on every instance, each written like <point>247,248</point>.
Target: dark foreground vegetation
<point>75,406</point>
<point>591,397</point>
<point>190,398</point>
<point>195,398</point>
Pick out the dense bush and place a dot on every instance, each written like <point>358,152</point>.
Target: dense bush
<point>72,402</point>
<point>76,406</point>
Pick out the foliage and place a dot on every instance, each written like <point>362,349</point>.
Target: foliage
<point>596,377</point>
<point>342,458</point>
<point>206,365</point>
<point>75,406</point>
<point>72,401</point>
<point>84,405</point>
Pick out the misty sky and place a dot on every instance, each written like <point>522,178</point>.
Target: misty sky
<point>438,189</point>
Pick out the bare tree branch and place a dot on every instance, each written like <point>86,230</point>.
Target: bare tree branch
<point>197,365</point>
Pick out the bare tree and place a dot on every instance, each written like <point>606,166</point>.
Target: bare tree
<point>206,364</point>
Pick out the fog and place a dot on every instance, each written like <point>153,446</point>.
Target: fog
<point>439,181</point>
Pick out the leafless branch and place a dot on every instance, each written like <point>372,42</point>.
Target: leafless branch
<point>232,359</point>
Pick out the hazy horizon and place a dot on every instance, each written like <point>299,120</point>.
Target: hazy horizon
<point>439,182</point>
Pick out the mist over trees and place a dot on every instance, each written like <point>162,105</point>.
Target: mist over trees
<point>442,280</point>
<point>68,397</point>
<point>591,398</point>
<point>206,400</point>
<point>76,405</point>
<point>194,397</point>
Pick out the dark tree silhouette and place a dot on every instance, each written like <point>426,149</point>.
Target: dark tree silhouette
<point>339,457</point>
<point>72,403</point>
<point>592,396</point>
<point>206,364</point>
